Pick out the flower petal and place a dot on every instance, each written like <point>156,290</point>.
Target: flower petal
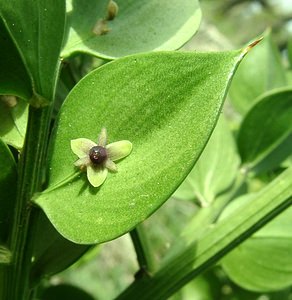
<point>102,137</point>
<point>84,161</point>
<point>96,176</point>
<point>119,149</point>
<point>81,147</point>
<point>111,165</point>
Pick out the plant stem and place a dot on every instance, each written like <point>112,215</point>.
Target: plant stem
<point>31,167</point>
<point>141,245</point>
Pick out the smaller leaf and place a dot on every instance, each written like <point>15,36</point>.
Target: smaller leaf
<point>8,180</point>
<point>215,170</point>
<point>14,79</point>
<point>277,158</point>
<point>139,26</point>
<point>265,127</point>
<point>13,118</point>
<point>37,29</point>
<point>263,263</point>
<point>260,71</point>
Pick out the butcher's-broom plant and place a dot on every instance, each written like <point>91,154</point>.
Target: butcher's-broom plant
<point>90,148</point>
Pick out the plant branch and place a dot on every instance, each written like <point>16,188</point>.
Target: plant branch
<point>31,175</point>
<point>143,252</point>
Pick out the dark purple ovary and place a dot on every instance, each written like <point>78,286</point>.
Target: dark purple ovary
<point>97,155</point>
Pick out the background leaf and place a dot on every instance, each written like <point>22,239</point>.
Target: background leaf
<point>263,263</point>
<point>140,26</point>
<point>167,105</point>
<point>215,170</point>
<point>37,29</point>
<point>8,180</point>
<point>14,79</point>
<point>265,127</point>
<point>13,121</point>
<point>65,291</point>
<point>14,82</point>
<point>52,252</point>
<point>261,71</point>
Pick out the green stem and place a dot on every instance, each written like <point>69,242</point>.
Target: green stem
<point>142,249</point>
<point>31,167</point>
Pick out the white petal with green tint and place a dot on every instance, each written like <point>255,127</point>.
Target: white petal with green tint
<point>81,146</point>
<point>96,176</point>
<point>102,138</point>
<point>84,161</point>
<point>111,165</point>
<point>119,150</point>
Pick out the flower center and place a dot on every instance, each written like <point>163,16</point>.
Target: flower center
<point>97,155</point>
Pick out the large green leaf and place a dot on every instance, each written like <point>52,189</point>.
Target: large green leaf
<point>37,29</point>
<point>166,104</point>
<point>261,71</point>
<point>266,126</point>
<point>13,120</point>
<point>138,27</point>
<point>215,170</point>
<point>14,79</point>
<point>8,176</point>
<point>264,262</point>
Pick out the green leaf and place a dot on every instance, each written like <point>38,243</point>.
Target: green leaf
<point>266,126</point>
<point>52,252</point>
<point>8,176</point>
<point>14,79</point>
<point>280,157</point>
<point>14,82</point>
<point>166,104</point>
<point>218,241</point>
<point>205,287</point>
<point>139,26</point>
<point>215,170</point>
<point>13,116</point>
<point>261,71</point>
<point>65,291</point>
<point>265,258</point>
<point>37,29</point>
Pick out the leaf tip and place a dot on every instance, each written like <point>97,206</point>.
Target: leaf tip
<point>251,45</point>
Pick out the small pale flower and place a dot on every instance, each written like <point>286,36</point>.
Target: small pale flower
<point>98,158</point>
